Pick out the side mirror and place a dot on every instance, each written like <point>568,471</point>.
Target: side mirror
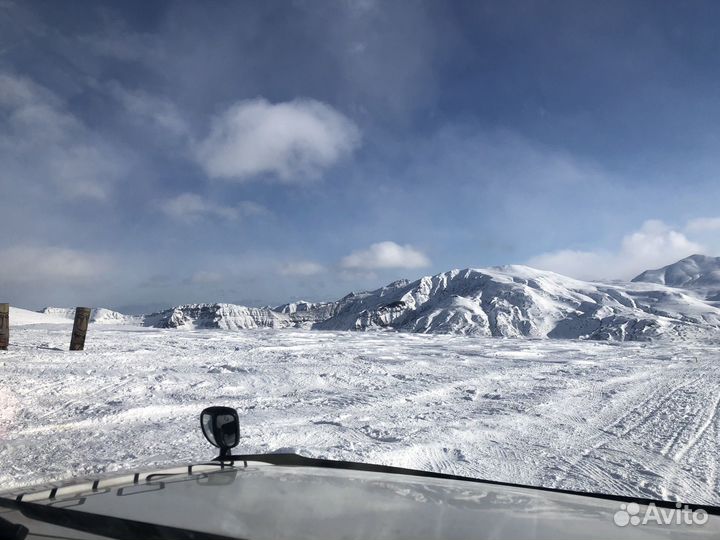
<point>221,426</point>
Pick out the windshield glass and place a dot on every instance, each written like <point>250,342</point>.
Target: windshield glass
<point>473,238</point>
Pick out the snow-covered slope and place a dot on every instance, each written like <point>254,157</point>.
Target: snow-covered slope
<point>696,272</point>
<point>97,315</point>
<point>518,301</point>
<point>21,317</point>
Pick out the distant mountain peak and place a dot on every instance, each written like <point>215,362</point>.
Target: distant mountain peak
<point>694,272</point>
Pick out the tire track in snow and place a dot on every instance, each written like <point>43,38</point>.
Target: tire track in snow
<point>714,410</point>
<point>607,442</point>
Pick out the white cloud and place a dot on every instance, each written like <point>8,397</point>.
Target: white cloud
<point>385,255</point>
<point>42,144</point>
<point>301,268</point>
<point>292,142</point>
<point>701,225</point>
<point>50,266</point>
<point>190,207</point>
<point>653,246</point>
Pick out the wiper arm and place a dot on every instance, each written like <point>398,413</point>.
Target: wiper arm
<point>102,525</point>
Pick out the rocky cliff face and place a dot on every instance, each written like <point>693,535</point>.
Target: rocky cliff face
<point>305,314</point>
<point>222,316</point>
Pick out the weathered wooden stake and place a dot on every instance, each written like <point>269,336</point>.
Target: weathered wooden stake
<point>4,326</point>
<point>80,326</point>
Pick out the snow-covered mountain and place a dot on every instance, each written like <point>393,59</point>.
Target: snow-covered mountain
<point>97,315</point>
<point>515,301</point>
<point>223,316</point>
<point>679,300</point>
<point>507,301</point>
<point>696,272</point>
<point>235,317</point>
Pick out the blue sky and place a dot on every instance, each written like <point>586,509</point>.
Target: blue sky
<point>157,153</point>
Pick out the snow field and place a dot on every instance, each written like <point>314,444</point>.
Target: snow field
<point>622,418</point>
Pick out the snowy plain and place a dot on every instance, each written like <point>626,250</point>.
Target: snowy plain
<point>621,418</point>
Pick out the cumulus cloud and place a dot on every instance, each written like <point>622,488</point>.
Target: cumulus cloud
<point>654,245</point>
<point>301,268</point>
<point>292,142</point>
<point>42,144</point>
<point>190,207</point>
<point>50,266</point>
<point>385,255</point>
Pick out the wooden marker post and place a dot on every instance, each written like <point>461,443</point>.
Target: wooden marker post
<point>82,318</point>
<point>4,326</point>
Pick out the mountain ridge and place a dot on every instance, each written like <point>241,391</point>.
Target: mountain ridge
<point>499,301</point>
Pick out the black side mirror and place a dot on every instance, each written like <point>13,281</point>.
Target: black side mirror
<point>221,426</point>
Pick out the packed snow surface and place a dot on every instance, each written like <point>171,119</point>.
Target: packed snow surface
<point>615,417</point>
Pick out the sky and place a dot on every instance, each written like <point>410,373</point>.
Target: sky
<point>160,153</point>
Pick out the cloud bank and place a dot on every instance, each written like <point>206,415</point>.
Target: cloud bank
<point>654,245</point>
<point>50,266</point>
<point>702,225</point>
